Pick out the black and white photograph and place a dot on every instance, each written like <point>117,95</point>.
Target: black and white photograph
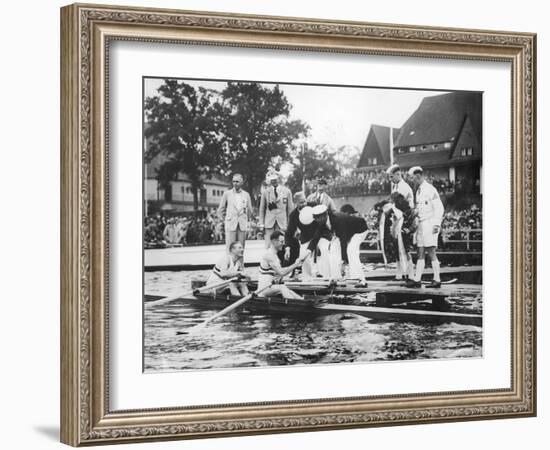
<point>295,224</point>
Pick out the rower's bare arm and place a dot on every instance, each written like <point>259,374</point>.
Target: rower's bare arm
<point>307,254</point>
<point>244,275</point>
<point>225,274</point>
<point>283,271</point>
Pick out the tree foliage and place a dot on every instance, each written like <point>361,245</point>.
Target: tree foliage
<point>182,125</point>
<point>199,132</point>
<point>257,130</point>
<point>312,163</point>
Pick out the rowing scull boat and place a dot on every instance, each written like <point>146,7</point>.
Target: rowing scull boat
<point>321,305</point>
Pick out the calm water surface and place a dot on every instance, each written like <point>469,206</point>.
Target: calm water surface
<point>247,339</point>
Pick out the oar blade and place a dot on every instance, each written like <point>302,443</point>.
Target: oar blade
<point>171,298</point>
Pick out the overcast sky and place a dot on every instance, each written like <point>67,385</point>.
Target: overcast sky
<point>337,115</point>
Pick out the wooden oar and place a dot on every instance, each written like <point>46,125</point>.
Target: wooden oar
<point>224,311</point>
<point>164,300</point>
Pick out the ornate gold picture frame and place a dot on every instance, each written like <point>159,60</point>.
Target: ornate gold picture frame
<point>86,34</point>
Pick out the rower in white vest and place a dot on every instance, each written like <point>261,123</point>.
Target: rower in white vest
<point>271,273</point>
<point>229,266</point>
<point>430,214</point>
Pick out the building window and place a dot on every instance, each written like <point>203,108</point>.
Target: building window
<point>470,151</point>
<point>447,145</point>
<point>374,161</point>
<point>412,149</point>
<point>463,152</point>
<point>401,150</point>
<point>424,147</point>
<point>435,146</point>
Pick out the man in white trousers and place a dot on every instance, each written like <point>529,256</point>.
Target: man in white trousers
<point>235,209</point>
<point>430,214</point>
<point>339,238</point>
<point>404,266</point>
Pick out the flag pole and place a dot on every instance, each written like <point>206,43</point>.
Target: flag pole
<point>391,146</point>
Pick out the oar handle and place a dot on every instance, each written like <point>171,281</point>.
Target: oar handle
<point>228,309</point>
<point>206,287</point>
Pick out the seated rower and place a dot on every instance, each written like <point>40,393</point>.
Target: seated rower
<point>271,270</point>
<point>230,266</point>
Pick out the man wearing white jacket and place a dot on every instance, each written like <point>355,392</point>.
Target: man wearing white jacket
<point>235,208</point>
<point>430,214</point>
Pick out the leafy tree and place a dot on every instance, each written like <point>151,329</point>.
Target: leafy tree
<point>183,127</point>
<point>312,163</point>
<point>347,157</point>
<point>257,131</point>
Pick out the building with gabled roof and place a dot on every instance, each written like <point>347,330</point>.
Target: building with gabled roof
<point>376,151</point>
<point>177,196</point>
<point>444,136</point>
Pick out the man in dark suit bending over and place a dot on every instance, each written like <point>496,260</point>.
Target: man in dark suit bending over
<point>350,231</point>
<point>300,231</point>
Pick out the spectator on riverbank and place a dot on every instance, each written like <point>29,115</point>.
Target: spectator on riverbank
<point>376,182</point>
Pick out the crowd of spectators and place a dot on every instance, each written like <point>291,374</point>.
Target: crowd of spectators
<point>360,183</point>
<point>207,228</point>
<point>164,231</point>
<point>457,225</point>
<point>376,182</point>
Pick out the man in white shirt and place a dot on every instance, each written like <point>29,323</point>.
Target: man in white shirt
<point>235,208</point>
<point>398,184</point>
<point>170,232</point>
<point>430,214</point>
